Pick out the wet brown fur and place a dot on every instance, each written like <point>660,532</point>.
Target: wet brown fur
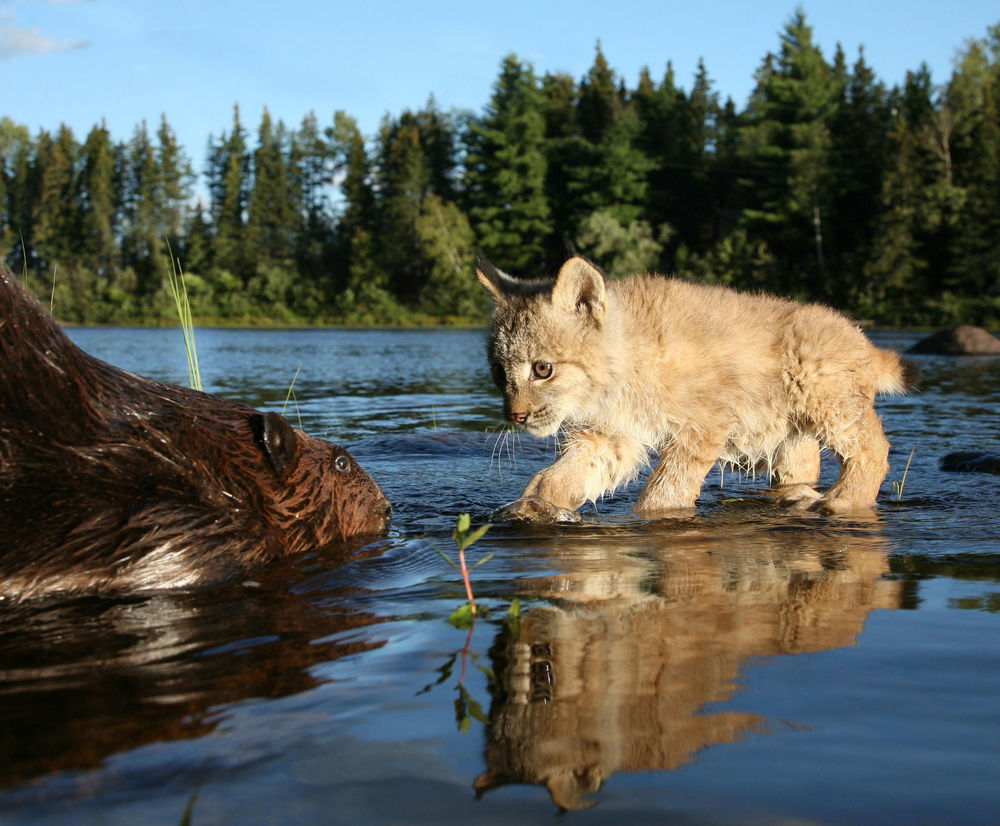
<point>112,482</point>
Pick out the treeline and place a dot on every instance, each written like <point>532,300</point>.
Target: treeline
<point>828,185</point>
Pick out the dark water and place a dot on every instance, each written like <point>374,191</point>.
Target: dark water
<point>744,665</point>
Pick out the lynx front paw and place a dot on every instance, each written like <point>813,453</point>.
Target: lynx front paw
<point>797,497</point>
<point>839,506</point>
<point>533,509</point>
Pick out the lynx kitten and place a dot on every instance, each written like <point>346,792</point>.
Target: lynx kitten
<point>697,374</point>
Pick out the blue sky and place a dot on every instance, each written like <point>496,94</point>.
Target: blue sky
<point>123,61</point>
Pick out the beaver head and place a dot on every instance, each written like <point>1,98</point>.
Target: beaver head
<point>113,482</point>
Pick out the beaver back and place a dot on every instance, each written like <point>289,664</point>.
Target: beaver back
<point>110,481</point>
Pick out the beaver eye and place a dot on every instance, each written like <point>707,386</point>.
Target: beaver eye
<point>342,464</point>
<point>541,369</point>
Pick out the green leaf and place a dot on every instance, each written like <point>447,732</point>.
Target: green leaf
<point>443,556</point>
<point>476,534</point>
<point>462,616</point>
<point>463,523</point>
<point>486,558</point>
<point>476,711</point>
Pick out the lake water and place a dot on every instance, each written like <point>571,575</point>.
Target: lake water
<point>743,665</point>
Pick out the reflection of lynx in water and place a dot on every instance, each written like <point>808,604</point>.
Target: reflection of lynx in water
<point>693,372</point>
<point>617,676</point>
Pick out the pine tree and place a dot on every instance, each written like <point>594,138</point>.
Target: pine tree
<point>898,264</point>
<point>973,96</point>
<point>229,184</point>
<point>677,136</point>
<point>859,133</point>
<point>310,178</point>
<point>402,181</point>
<point>601,102</point>
<point>143,242</point>
<point>174,182</point>
<point>564,148</point>
<point>55,220</point>
<point>16,149</point>
<point>437,141</point>
<point>787,138</point>
<point>610,176</point>
<point>506,170</point>
<point>267,236</point>
<point>96,245</point>
<point>361,281</point>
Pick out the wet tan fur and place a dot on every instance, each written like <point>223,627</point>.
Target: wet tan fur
<point>693,373</point>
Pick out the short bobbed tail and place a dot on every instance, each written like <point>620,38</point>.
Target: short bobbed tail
<point>893,375</point>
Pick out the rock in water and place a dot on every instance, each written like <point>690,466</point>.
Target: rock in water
<point>963,340</point>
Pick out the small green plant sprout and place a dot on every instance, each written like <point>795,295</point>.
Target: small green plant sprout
<point>290,396</point>
<point>466,707</point>
<point>175,278</point>
<point>463,539</point>
<point>52,292</point>
<point>897,484</point>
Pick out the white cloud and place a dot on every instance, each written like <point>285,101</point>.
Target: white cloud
<point>15,42</point>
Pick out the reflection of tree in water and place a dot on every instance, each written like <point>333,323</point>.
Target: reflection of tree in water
<point>613,675</point>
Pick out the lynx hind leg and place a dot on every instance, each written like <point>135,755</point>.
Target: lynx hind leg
<point>863,451</point>
<point>796,462</point>
<point>831,391</point>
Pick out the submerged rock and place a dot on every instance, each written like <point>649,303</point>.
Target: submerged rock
<point>972,461</point>
<point>963,340</point>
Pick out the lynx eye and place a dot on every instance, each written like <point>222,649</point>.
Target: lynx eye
<point>342,464</point>
<point>541,369</point>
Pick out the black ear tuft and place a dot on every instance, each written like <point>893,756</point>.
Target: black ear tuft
<point>277,439</point>
<point>493,281</point>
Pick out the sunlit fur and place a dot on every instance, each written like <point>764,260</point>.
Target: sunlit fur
<point>112,482</point>
<point>693,373</point>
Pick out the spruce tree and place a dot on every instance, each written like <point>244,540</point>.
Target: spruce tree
<point>564,148</point>
<point>16,149</point>
<point>229,184</point>
<point>362,283</point>
<point>55,219</point>
<point>143,242</point>
<point>175,181</point>
<point>897,264</point>
<point>401,182</point>
<point>610,176</point>
<point>973,96</point>
<point>310,177</point>
<point>505,172</point>
<point>96,244</point>
<point>267,236</point>
<point>859,133</point>
<point>787,141</point>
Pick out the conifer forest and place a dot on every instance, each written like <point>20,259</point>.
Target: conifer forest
<point>827,185</point>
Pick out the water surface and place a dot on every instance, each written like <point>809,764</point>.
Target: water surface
<point>742,665</point>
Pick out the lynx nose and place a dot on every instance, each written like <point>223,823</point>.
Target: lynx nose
<point>517,418</point>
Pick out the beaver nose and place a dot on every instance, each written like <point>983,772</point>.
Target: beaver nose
<point>517,418</point>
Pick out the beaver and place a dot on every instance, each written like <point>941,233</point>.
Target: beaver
<point>113,482</point>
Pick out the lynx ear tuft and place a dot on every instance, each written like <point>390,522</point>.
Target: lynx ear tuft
<point>580,287</point>
<point>496,283</point>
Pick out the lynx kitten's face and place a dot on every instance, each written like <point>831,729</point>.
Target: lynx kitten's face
<point>537,355</point>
